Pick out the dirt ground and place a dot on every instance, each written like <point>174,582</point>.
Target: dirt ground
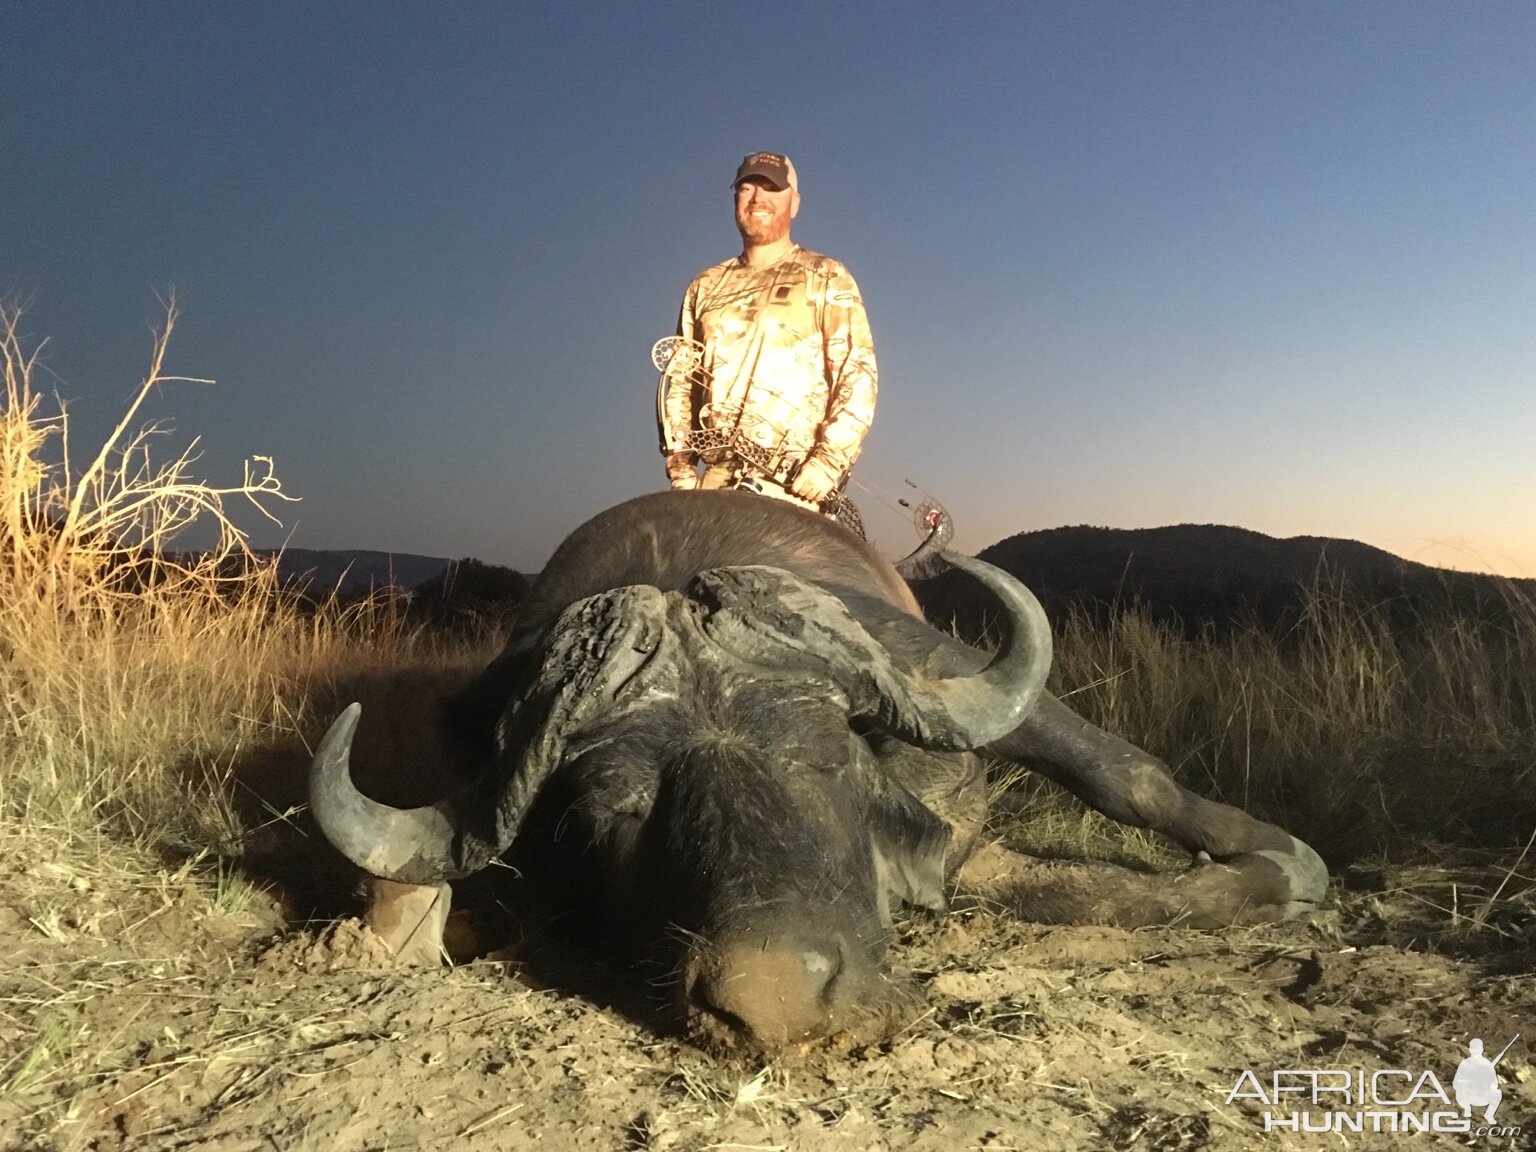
<point>141,1025</point>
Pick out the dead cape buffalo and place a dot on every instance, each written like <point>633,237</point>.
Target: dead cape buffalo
<point>722,732</point>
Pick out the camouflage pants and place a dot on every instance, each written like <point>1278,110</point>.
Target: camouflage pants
<point>726,475</point>
<point>837,506</point>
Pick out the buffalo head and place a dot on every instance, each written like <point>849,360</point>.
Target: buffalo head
<point>735,776</point>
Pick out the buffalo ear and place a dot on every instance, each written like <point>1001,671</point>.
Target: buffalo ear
<point>908,843</point>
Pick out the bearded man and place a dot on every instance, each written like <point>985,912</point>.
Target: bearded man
<point>776,389</point>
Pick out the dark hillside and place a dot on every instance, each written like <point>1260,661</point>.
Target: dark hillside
<point>1202,577</point>
<point>356,572</point>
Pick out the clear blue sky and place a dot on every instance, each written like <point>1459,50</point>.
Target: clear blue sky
<point>1128,264</point>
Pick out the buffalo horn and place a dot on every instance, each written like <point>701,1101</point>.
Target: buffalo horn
<point>971,711</point>
<point>594,651</point>
<point>411,845</point>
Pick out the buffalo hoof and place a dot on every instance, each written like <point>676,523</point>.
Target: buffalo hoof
<point>1299,888</point>
<point>409,918</point>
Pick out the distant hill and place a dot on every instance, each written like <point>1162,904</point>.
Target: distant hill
<point>355,572</point>
<point>446,592</point>
<point>1207,576</point>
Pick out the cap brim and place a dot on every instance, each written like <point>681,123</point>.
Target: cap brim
<point>778,186</point>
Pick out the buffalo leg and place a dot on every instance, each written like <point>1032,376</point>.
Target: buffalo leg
<point>1246,890</point>
<point>409,918</point>
<point>1255,871</point>
<point>1247,870</point>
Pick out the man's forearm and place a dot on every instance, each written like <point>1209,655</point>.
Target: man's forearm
<point>683,469</point>
<point>841,438</point>
<point>851,370</point>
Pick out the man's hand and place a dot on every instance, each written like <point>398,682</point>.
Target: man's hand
<point>813,481</point>
<point>682,471</point>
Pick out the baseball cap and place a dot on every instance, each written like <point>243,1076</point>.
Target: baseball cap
<point>772,166</point>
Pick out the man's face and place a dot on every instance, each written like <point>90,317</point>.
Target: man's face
<point>763,214</point>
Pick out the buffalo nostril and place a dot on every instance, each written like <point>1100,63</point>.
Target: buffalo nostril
<point>766,996</point>
<point>818,965</point>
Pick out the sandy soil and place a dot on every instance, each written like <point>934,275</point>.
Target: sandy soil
<point>235,1032</point>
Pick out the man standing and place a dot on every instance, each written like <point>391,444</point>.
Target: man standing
<point>779,389</point>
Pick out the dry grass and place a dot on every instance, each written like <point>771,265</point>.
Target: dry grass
<point>1364,737</point>
<point>128,668</point>
<point>133,678</point>
<point>1405,752</point>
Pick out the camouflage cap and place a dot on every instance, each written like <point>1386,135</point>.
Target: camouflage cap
<point>774,167</point>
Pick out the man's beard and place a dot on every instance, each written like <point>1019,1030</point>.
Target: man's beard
<point>760,232</point>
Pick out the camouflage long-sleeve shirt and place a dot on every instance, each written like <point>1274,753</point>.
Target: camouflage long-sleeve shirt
<point>788,362</point>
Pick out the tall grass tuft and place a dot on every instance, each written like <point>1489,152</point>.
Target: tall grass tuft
<point>131,672</point>
<point>142,686</point>
<point>1364,731</point>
